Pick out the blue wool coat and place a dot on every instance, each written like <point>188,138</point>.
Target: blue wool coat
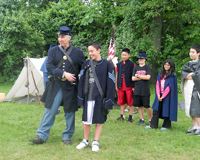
<point>106,77</point>
<point>69,102</point>
<point>170,102</point>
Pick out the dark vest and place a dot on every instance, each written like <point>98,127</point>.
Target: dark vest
<point>127,68</point>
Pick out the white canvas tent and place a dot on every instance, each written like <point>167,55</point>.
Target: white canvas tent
<point>19,89</point>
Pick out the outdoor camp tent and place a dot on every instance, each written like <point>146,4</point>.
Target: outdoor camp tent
<point>19,89</point>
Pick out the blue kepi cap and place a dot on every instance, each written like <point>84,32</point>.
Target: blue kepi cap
<point>64,31</point>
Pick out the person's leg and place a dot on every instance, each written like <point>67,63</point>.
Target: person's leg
<point>85,142</point>
<point>141,112</point>
<point>86,128</point>
<point>166,123</point>
<point>98,130</point>
<point>131,109</point>
<point>95,143</point>
<point>49,117</point>
<point>122,109</point>
<point>146,102</point>
<point>129,100</point>
<point>121,102</point>
<point>155,119</point>
<point>149,112</point>
<point>196,121</point>
<point>70,126</point>
<point>195,126</point>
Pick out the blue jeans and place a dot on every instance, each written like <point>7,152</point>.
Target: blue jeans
<point>49,118</point>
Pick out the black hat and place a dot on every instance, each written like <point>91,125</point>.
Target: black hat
<point>64,31</point>
<point>142,55</point>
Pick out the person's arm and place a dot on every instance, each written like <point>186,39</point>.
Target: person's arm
<point>157,88</point>
<point>189,76</point>
<point>133,75</point>
<point>116,81</point>
<point>142,77</point>
<point>166,92</point>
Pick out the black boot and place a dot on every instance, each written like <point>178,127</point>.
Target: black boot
<point>37,140</point>
<point>130,119</point>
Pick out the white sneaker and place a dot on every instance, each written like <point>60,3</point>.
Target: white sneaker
<point>95,146</point>
<point>83,144</point>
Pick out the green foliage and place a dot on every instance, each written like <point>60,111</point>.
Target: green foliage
<point>162,28</point>
<point>18,39</point>
<point>180,29</point>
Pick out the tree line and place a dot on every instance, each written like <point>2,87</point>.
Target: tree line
<point>162,28</point>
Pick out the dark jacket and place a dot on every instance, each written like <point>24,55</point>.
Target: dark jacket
<point>69,91</point>
<point>106,77</point>
<point>126,69</point>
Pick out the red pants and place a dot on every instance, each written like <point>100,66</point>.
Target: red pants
<point>125,97</point>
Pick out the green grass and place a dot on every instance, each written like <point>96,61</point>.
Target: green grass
<point>119,140</point>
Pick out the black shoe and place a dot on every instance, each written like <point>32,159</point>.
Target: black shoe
<point>141,122</point>
<point>67,142</point>
<point>122,117</point>
<point>37,140</point>
<point>130,119</point>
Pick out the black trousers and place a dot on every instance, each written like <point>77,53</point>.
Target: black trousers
<point>157,115</point>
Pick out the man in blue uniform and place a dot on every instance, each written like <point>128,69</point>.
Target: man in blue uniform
<point>62,89</point>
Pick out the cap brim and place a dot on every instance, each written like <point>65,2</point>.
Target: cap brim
<point>63,34</point>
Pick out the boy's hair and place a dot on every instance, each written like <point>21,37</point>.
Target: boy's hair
<point>171,70</point>
<point>95,44</point>
<point>196,47</point>
<point>126,50</point>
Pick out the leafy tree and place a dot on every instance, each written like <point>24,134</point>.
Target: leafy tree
<point>18,39</point>
<point>165,29</point>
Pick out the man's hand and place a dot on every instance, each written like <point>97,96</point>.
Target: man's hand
<point>69,76</point>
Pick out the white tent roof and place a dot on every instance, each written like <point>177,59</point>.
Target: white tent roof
<point>19,89</point>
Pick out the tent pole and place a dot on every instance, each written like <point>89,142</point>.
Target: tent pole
<point>27,80</point>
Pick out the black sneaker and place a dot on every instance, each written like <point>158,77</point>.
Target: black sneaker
<point>130,119</point>
<point>141,122</point>
<point>191,130</point>
<point>122,117</point>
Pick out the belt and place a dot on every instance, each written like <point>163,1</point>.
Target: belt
<point>56,78</point>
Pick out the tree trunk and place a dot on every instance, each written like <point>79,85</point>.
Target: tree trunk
<point>156,36</point>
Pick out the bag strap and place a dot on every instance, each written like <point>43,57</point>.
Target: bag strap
<point>96,79</point>
<point>66,53</point>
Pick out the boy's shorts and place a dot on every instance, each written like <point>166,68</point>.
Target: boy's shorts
<point>125,97</point>
<point>141,101</point>
<point>90,111</point>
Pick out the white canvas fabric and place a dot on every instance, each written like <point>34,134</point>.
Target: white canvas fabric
<point>19,89</point>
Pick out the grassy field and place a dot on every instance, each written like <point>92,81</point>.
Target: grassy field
<point>119,140</point>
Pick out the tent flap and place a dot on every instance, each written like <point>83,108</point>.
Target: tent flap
<point>19,89</point>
